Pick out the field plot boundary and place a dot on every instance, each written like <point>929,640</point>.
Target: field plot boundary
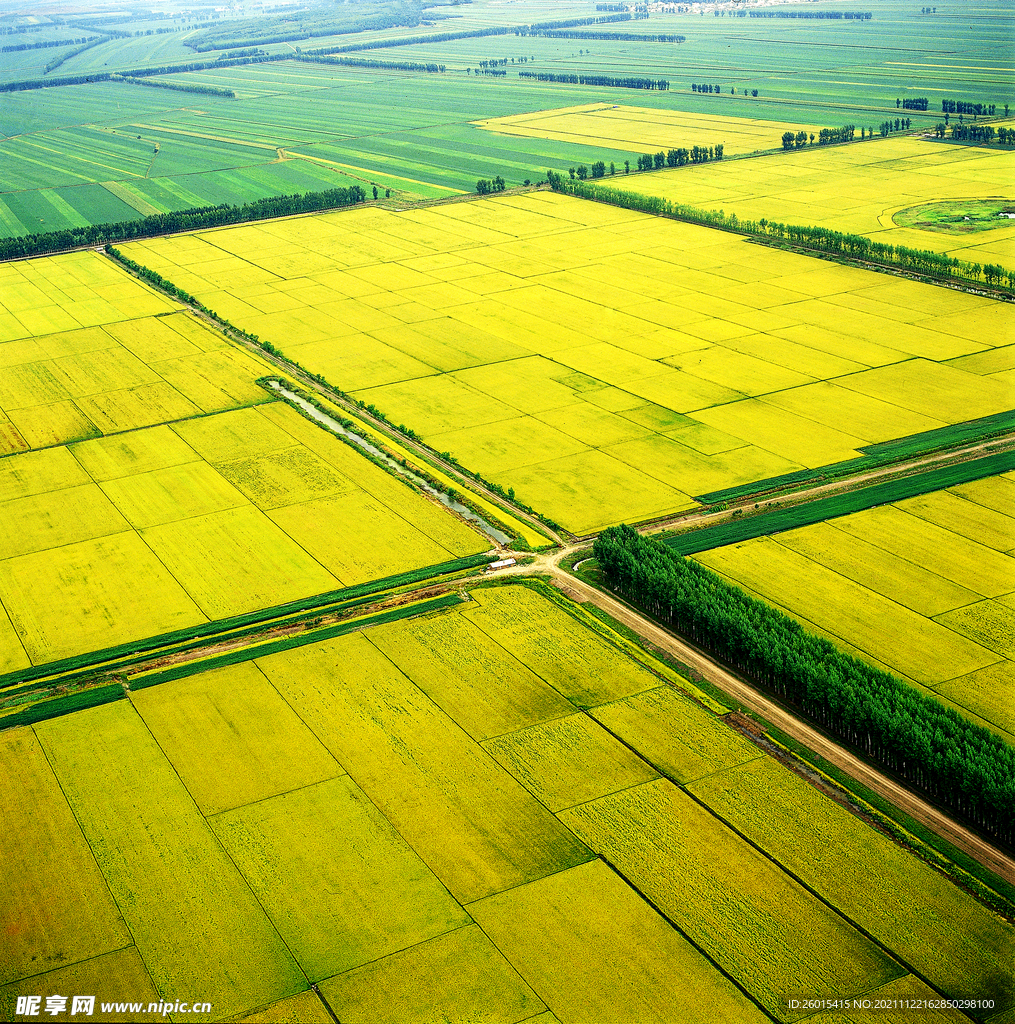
<point>90,698</point>
<point>608,631</point>
<point>406,446</point>
<point>839,505</point>
<point>56,707</point>
<point>878,455</point>
<point>255,619</point>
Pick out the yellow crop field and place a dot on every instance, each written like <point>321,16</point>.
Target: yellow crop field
<point>121,977</point>
<point>56,518</point>
<point>477,828</point>
<point>942,550</point>
<point>614,967</point>
<point>857,189</point>
<point>84,597</point>
<point>513,331</point>
<point>919,648</point>
<point>989,623</point>
<point>765,930</point>
<point>147,836</point>
<point>960,511</point>
<point>924,587</point>
<point>892,1007</point>
<point>830,405</point>
<point>49,872</point>
<point>134,453</point>
<point>67,379</point>
<point>642,129</point>
<point>219,514</point>
<point>911,908</point>
<point>481,685</point>
<point>168,495</point>
<point>460,976</point>
<point>674,734</point>
<point>42,426</point>
<point>568,761</point>
<point>338,882</point>
<point>302,1008</point>
<point>234,719</point>
<point>666,458</point>
<point>933,389</point>
<point>136,407</point>
<point>210,825</point>
<point>905,582</point>
<point>995,492</point>
<point>556,647</point>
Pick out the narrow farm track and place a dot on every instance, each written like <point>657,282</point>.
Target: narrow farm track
<point>892,471</point>
<point>899,796</point>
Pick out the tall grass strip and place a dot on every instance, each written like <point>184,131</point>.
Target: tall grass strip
<point>237,621</point>
<point>840,505</point>
<point>288,643</point>
<point>63,705</point>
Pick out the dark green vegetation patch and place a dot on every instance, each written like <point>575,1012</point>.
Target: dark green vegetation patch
<point>839,505</point>
<point>960,765</point>
<point>960,217</point>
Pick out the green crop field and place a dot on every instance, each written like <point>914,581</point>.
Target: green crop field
<point>368,842</point>
<point>604,364</point>
<point>922,586</point>
<point>87,153</point>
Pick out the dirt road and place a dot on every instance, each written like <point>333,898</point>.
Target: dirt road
<point>899,796</point>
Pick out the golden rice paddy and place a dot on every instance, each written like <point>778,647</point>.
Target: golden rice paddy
<point>603,364</point>
<point>422,846</point>
<point>140,448</point>
<point>643,130</point>
<point>858,188</point>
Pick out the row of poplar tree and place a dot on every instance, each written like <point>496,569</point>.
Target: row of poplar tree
<point>960,765</point>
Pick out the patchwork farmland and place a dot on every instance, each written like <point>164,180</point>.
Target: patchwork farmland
<point>397,822</point>
<point>876,190</point>
<point>142,447</point>
<point>333,687</point>
<point>697,361</point>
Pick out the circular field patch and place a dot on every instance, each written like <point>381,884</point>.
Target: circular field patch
<point>959,216</point>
